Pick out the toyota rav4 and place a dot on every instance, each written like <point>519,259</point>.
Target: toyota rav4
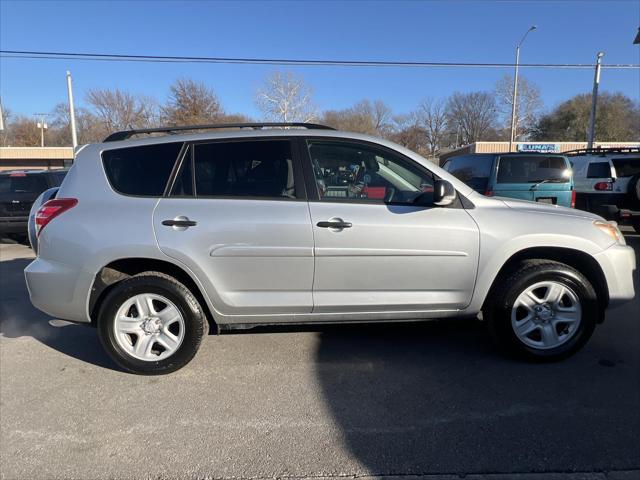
<point>155,240</point>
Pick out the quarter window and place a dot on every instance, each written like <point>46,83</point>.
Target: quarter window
<point>141,171</point>
<point>627,167</point>
<point>599,170</point>
<point>244,169</point>
<point>355,172</point>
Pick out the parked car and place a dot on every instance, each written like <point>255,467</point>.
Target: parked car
<point>538,177</point>
<point>18,190</point>
<point>608,183</point>
<point>154,239</point>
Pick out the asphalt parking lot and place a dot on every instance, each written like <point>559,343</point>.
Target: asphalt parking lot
<point>410,400</point>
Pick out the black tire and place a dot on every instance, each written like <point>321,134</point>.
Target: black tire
<point>195,321</point>
<point>516,281</point>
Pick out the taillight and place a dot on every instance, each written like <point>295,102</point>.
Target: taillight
<point>573,199</point>
<point>51,209</point>
<point>489,193</point>
<point>603,186</point>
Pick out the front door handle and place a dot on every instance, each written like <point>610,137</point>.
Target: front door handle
<point>179,222</point>
<point>335,224</point>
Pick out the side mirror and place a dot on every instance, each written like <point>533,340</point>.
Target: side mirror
<point>443,193</point>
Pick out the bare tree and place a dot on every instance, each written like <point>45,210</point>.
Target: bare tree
<point>474,114</point>
<point>432,118</point>
<point>408,132</point>
<point>90,127</point>
<point>191,103</point>
<point>364,117</point>
<point>22,132</point>
<point>120,110</point>
<point>379,113</point>
<point>286,98</point>
<point>529,104</point>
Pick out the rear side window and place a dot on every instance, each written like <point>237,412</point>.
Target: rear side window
<point>533,169</point>
<point>242,169</point>
<point>472,170</point>
<point>24,183</point>
<point>141,171</point>
<point>599,170</point>
<point>626,167</point>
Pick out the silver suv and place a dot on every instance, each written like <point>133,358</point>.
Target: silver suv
<point>153,240</point>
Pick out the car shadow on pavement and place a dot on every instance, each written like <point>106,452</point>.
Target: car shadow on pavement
<point>438,398</point>
<point>18,318</point>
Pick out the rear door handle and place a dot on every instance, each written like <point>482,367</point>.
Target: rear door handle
<point>179,222</point>
<point>335,224</point>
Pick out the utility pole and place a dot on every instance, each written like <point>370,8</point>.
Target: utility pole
<point>594,100</point>
<point>1,118</point>
<point>2,124</point>
<point>42,126</point>
<point>72,112</point>
<point>514,100</point>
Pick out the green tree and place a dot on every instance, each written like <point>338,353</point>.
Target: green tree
<point>617,119</point>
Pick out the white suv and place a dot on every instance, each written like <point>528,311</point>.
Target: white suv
<point>155,239</point>
<point>607,182</point>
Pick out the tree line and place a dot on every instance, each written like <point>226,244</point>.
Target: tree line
<point>434,125</point>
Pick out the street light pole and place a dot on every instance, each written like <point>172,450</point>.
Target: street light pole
<point>514,100</point>
<point>594,100</point>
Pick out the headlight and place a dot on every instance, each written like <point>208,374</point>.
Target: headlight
<point>611,229</point>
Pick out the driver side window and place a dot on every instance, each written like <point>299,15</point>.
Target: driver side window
<point>353,172</point>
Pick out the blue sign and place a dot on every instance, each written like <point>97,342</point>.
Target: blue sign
<point>539,147</point>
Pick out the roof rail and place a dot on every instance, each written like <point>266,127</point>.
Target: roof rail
<point>601,151</point>
<point>125,134</point>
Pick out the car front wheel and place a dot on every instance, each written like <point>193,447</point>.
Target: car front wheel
<point>151,324</point>
<point>543,310</point>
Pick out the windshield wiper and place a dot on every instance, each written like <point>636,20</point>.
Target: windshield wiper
<point>548,180</point>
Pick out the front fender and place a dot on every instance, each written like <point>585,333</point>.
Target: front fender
<point>495,255</point>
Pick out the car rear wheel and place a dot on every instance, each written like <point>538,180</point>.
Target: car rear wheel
<point>543,310</point>
<point>151,324</point>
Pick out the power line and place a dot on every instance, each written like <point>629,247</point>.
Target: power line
<point>108,57</point>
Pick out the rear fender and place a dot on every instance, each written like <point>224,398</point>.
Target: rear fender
<point>31,226</point>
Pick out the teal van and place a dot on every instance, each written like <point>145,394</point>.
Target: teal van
<point>538,177</point>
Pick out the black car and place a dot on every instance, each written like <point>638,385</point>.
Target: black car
<point>18,191</point>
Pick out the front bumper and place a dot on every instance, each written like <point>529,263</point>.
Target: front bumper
<point>59,290</point>
<point>618,263</point>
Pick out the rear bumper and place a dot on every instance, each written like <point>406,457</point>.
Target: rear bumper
<point>612,206</point>
<point>58,289</point>
<point>618,263</point>
<point>13,225</point>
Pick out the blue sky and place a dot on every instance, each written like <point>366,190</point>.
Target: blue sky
<point>464,31</point>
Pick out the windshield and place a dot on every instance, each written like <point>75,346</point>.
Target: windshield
<point>23,184</point>
<point>533,169</point>
<point>626,167</point>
